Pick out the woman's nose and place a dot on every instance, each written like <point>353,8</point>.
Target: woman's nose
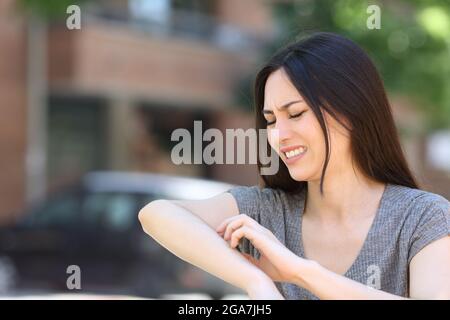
<point>284,131</point>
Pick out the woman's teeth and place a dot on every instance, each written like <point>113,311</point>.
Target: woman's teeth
<point>295,152</point>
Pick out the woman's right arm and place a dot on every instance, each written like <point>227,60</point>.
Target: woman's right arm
<point>187,229</point>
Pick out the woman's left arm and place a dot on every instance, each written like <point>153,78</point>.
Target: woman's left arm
<point>429,272</point>
<point>429,278</point>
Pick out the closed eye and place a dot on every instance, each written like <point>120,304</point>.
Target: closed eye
<point>290,117</point>
<point>297,115</point>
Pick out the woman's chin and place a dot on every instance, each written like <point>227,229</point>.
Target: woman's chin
<point>298,174</point>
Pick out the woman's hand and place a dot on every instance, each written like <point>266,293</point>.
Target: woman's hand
<point>277,261</point>
<point>263,288</point>
<point>265,265</point>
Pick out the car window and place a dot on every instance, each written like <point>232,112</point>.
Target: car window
<point>111,211</point>
<point>61,211</point>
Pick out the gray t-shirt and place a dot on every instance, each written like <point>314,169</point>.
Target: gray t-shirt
<point>406,221</point>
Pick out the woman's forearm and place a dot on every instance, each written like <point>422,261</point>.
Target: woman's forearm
<point>191,239</point>
<point>329,285</point>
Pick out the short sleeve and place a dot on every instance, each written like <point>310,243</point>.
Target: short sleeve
<point>250,201</point>
<point>433,225</point>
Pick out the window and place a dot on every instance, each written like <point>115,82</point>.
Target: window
<point>155,10</point>
<point>76,137</point>
<point>113,212</point>
<point>62,211</point>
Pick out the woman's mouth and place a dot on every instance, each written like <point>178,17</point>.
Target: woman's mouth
<point>293,154</point>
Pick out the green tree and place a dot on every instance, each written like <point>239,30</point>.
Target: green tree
<point>49,9</point>
<point>411,49</point>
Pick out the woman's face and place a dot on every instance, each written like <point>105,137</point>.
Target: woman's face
<point>295,133</point>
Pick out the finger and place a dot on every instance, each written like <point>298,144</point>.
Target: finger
<point>222,226</point>
<point>240,233</point>
<point>245,217</point>
<point>231,227</point>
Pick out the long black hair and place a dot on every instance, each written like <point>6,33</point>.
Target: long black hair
<point>335,75</point>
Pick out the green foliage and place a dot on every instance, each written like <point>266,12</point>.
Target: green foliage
<point>49,9</point>
<point>411,49</point>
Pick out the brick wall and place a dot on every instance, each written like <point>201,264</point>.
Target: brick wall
<point>13,111</point>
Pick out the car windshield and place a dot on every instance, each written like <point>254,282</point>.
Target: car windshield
<point>113,211</point>
<point>59,211</point>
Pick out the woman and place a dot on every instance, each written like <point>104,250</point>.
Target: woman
<point>343,218</point>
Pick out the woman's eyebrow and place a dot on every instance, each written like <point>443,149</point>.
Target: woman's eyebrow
<point>284,106</point>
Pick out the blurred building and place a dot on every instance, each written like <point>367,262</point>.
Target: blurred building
<point>109,96</point>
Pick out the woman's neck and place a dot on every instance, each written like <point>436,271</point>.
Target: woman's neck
<point>345,195</point>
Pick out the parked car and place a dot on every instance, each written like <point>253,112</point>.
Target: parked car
<point>94,225</point>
